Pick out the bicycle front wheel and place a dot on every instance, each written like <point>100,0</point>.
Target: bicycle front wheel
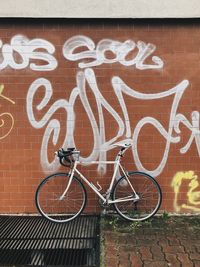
<point>149,196</point>
<point>51,206</point>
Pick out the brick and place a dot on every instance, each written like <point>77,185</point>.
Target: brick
<point>196,263</point>
<point>130,240</point>
<point>136,260</point>
<point>184,259</point>
<point>195,256</point>
<point>197,246</point>
<point>112,249</point>
<point>163,241</point>
<point>144,242</point>
<point>145,253</point>
<point>172,260</point>
<point>188,246</point>
<point>124,263</point>
<point>155,264</point>
<point>111,262</point>
<point>173,241</point>
<point>173,249</point>
<point>123,254</point>
<point>122,239</point>
<point>157,252</point>
<point>109,238</point>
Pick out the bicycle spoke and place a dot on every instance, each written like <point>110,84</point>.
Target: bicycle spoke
<point>50,204</point>
<point>149,197</point>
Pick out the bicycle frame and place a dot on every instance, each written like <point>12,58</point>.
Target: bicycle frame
<point>107,198</point>
<point>124,193</point>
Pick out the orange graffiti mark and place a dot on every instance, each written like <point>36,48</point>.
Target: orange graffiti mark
<point>6,118</point>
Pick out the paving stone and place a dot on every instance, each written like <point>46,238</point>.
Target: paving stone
<point>110,236</point>
<point>163,241</point>
<point>155,264</point>
<point>122,239</point>
<point>112,262</point>
<point>124,254</point>
<point>112,250</point>
<point>124,263</point>
<point>144,242</point>
<point>131,240</point>
<point>157,252</point>
<point>151,236</point>
<point>176,245</point>
<point>196,263</point>
<point>173,240</point>
<point>172,260</point>
<point>129,248</point>
<point>136,260</point>
<point>173,249</point>
<point>145,253</point>
<point>197,247</point>
<point>195,256</point>
<point>190,248</point>
<point>184,259</point>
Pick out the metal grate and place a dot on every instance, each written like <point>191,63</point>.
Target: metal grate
<point>34,241</point>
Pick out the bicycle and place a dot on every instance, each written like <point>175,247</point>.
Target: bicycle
<point>61,197</point>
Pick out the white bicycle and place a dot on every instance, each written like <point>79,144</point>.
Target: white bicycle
<point>61,197</point>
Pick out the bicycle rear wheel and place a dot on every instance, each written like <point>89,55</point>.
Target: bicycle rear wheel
<point>49,204</point>
<point>148,190</point>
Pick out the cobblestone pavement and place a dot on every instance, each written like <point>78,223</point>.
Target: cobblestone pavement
<point>163,242</point>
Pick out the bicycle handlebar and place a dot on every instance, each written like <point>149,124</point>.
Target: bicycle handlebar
<point>65,156</point>
<point>66,159</point>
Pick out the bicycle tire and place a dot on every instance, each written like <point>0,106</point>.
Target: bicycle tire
<point>144,208</point>
<point>51,207</point>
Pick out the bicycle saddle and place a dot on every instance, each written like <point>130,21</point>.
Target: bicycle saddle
<point>124,143</point>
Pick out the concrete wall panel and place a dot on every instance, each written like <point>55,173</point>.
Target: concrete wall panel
<point>100,9</point>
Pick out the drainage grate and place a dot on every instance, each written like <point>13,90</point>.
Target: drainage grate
<point>34,241</point>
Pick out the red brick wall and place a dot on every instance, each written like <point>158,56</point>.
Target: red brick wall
<point>143,76</point>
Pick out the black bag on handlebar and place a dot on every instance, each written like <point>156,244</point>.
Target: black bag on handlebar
<point>65,157</point>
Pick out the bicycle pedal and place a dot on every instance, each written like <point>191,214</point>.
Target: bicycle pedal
<point>104,212</point>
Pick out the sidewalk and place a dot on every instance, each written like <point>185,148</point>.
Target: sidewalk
<point>164,241</point>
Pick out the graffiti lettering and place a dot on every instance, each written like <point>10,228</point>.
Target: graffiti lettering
<point>21,50</point>
<point>6,118</point>
<point>101,145</point>
<point>193,127</point>
<point>121,52</point>
<point>177,92</point>
<point>193,196</point>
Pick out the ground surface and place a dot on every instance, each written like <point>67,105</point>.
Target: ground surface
<point>164,241</point>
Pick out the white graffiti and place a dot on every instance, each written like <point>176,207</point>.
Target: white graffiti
<point>170,135</point>
<point>167,134</point>
<point>121,52</point>
<point>21,51</point>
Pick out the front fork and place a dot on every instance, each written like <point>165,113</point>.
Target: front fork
<point>71,175</point>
